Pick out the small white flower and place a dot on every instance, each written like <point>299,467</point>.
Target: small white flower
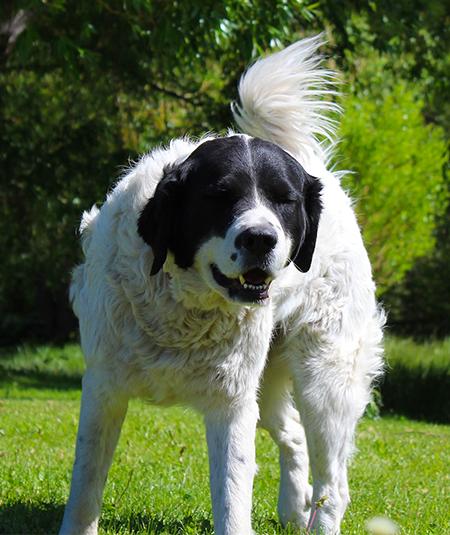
<point>380,525</point>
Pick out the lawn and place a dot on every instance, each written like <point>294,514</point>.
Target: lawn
<point>158,483</point>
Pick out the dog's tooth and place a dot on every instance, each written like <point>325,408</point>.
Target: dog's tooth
<point>261,287</point>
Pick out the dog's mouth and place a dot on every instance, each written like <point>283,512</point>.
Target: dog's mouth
<point>251,287</point>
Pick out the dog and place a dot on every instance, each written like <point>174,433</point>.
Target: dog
<point>229,274</point>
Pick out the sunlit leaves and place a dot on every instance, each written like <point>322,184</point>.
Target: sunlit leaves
<point>398,182</point>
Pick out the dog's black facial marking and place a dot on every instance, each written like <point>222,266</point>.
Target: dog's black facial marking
<point>196,200</point>
<point>312,208</point>
<point>157,221</point>
<point>292,194</point>
<point>220,180</point>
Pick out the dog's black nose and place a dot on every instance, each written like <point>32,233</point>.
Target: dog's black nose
<point>257,241</point>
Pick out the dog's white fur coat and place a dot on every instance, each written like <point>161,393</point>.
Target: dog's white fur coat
<point>175,338</point>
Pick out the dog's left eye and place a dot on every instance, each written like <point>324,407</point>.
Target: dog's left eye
<point>281,196</point>
<point>287,199</point>
<point>279,191</point>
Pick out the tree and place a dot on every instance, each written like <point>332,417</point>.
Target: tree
<point>412,35</point>
<point>61,152</point>
<point>85,86</point>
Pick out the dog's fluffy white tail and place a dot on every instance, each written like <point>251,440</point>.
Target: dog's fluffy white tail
<point>285,98</point>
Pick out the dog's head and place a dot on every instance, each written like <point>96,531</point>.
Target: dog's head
<point>239,209</point>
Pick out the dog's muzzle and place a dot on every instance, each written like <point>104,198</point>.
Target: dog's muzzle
<point>257,242</point>
<point>250,287</point>
<point>255,246</point>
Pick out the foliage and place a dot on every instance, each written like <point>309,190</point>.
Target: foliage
<point>397,178</point>
<point>86,86</point>
<point>417,57</point>
<point>158,482</point>
<point>420,303</point>
<point>60,153</point>
<point>413,36</point>
<point>160,47</point>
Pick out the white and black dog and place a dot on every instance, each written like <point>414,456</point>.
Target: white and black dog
<point>230,274</point>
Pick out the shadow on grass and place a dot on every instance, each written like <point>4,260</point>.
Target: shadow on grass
<point>27,518</point>
<point>24,378</point>
<point>419,393</point>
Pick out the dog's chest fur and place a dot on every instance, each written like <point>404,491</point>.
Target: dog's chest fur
<point>182,353</point>
<point>179,339</point>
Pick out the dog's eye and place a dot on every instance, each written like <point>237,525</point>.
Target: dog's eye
<point>283,196</point>
<point>287,199</point>
<point>221,195</point>
<point>279,191</point>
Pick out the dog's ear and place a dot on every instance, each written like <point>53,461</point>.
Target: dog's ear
<point>312,208</point>
<point>156,223</point>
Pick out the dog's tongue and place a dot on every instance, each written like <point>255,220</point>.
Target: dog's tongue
<point>255,276</point>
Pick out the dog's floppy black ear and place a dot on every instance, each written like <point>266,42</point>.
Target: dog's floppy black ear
<point>157,220</point>
<point>312,209</point>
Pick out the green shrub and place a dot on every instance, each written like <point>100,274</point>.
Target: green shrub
<point>397,178</point>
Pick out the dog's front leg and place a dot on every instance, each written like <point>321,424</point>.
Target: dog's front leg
<point>101,417</point>
<point>230,432</point>
<point>330,403</point>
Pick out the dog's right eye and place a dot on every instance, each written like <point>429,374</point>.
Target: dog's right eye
<point>221,195</point>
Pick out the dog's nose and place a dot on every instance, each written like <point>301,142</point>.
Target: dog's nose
<point>257,241</point>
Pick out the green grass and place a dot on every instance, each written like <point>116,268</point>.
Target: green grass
<point>42,372</point>
<point>432,354</point>
<point>417,384</point>
<point>158,483</point>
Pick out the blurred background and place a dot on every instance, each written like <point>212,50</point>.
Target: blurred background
<point>88,86</point>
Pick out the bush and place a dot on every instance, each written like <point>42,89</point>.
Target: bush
<point>397,177</point>
<point>419,305</point>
